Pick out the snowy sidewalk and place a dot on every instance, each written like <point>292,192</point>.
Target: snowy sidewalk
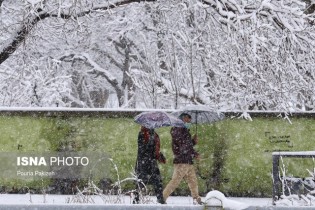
<point>132,207</point>
<point>94,207</point>
<point>63,202</point>
<point>68,202</point>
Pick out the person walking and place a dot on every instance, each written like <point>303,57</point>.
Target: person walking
<point>146,165</point>
<point>184,153</point>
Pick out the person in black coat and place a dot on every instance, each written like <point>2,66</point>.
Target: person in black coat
<point>148,155</point>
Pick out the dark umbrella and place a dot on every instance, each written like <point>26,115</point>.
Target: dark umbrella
<point>157,119</point>
<point>200,114</point>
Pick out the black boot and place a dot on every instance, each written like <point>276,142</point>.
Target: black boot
<point>161,201</point>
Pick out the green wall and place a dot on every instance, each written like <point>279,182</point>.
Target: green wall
<point>235,153</point>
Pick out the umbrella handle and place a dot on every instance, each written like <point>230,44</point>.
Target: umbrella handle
<point>196,122</point>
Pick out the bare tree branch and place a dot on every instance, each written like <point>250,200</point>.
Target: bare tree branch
<point>218,5</point>
<point>25,30</point>
<point>19,38</point>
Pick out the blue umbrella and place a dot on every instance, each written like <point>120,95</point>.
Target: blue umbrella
<point>157,119</point>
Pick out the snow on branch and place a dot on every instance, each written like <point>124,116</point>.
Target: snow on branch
<point>285,14</point>
<point>64,11</point>
<point>95,67</point>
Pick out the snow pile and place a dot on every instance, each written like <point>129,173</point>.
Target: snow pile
<point>296,200</point>
<point>216,198</point>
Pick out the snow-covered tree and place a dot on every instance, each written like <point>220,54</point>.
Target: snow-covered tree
<point>234,54</point>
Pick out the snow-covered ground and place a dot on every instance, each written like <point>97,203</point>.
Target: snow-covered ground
<point>235,203</point>
<point>212,198</point>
